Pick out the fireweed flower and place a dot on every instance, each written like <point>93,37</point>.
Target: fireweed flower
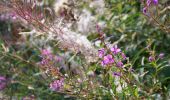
<point>161,55</point>
<point>148,2</point>
<point>115,49</point>
<point>49,62</point>
<point>116,74</point>
<point>101,52</point>
<point>44,61</point>
<point>58,58</point>
<point>119,64</point>
<point>123,56</point>
<point>108,59</point>
<point>131,70</point>
<point>57,84</point>
<point>45,52</point>
<point>145,10</point>
<point>151,58</point>
<point>2,82</point>
<point>46,56</point>
<point>155,2</point>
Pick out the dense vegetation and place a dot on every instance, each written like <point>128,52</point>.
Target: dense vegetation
<point>84,49</point>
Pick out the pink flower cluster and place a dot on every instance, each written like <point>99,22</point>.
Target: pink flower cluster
<point>116,74</point>
<point>57,84</point>
<point>112,57</point>
<point>48,63</point>
<point>8,16</point>
<point>2,82</point>
<point>148,4</point>
<point>108,56</point>
<point>48,57</point>
<point>153,58</point>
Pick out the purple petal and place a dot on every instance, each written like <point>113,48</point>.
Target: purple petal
<point>57,84</point>
<point>151,58</point>
<point>161,55</point>
<point>123,56</point>
<point>119,64</point>
<point>155,2</point>
<point>115,49</point>
<point>145,10</point>
<point>2,82</point>
<point>116,74</point>
<point>101,52</point>
<point>148,2</point>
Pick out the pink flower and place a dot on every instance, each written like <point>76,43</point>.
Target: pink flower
<point>44,61</point>
<point>155,2</point>
<point>151,58</point>
<point>123,56</point>
<point>45,52</point>
<point>148,2</point>
<point>57,84</point>
<point>101,52</point>
<point>58,58</point>
<point>115,50</point>
<point>161,55</point>
<point>145,10</point>
<point>119,64</point>
<point>116,74</point>
<point>108,59</point>
<point>2,82</point>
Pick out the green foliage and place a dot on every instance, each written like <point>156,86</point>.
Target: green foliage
<point>126,26</point>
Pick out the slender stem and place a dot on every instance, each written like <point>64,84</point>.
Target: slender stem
<point>163,27</point>
<point>18,57</point>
